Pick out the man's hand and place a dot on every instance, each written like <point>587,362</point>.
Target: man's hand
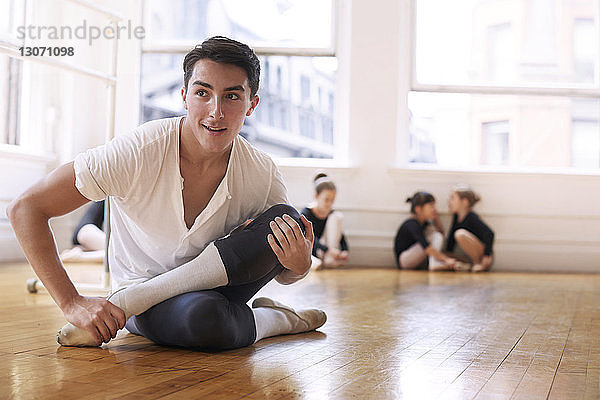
<point>96,315</point>
<point>294,248</point>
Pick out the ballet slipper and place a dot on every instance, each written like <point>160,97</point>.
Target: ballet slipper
<point>301,321</point>
<point>70,335</point>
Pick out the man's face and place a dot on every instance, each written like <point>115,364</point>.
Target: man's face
<point>217,100</point>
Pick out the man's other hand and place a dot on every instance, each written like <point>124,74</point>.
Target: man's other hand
<point>294,248</point>
<point>96,315</point>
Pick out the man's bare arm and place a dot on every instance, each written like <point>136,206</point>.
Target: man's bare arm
<point>29,214</point>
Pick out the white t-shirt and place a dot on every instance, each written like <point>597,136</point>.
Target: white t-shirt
<point>140,172</point>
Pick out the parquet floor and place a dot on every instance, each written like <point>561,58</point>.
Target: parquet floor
<point>390,335</point>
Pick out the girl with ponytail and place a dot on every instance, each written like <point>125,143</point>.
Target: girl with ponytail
<point>419,239</point>
<point>330,247</point>
<point>469,236</point>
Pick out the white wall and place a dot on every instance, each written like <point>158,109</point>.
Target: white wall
<point>543,221</point>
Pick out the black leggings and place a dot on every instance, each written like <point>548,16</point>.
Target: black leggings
<point>219,318</point>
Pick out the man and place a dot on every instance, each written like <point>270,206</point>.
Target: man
<point>176,187</point>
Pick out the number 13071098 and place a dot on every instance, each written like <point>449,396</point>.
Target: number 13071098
<point>46,51</point>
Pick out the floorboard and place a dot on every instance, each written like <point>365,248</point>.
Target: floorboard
<point>390,334</point>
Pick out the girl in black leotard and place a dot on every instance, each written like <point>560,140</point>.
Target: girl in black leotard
<point>418,242</point>
<point>330,245</point>
<point>468,231</point>
<point>88,238</point>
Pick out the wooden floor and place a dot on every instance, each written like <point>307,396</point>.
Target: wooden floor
<point>390,335</point>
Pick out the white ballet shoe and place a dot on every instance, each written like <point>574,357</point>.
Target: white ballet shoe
<point>480,268</point>
<point>461,266</point>
<point>301,321</point>
<point>70,335</point>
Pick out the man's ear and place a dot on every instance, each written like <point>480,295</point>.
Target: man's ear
<point>184,97</point>
<point>253,104</point>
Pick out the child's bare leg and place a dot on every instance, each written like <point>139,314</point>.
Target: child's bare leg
<point>412,257</point>
<point>474,248</point>
<point>470,244</point>
<point>91,237</point>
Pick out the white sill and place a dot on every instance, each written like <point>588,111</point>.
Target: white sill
<point>329,163</point>
<point>9,151</point>
<point>481,169</point>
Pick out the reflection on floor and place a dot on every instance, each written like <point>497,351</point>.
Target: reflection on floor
<point>390,334</point>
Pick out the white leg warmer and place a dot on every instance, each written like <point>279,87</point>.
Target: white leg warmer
<point>206,271</point>
<point>203,272</point>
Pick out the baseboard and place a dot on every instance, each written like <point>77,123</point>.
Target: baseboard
<point>526,255</point>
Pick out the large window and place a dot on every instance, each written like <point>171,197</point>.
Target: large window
<point>12,14</point>
<point>294,117</point>
<point>46,100</point>
<point>505,83</point>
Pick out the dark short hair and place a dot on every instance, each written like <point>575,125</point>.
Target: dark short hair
<point>419,199</point>
<point>224,50</point>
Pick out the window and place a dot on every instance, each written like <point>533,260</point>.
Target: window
<point>495,143</point>
<point>509,83</point>
<point>500,53</point>
<point>585,140</point>
<point>39,94</point>
<point>586,144</point>
<point>584,49</point>
<point>304,88</point>
<point>12,14</point>
<point>10,93</point>
<point>296,64</point>
<point>259,23</point>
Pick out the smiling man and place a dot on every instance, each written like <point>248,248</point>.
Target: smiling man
<point>199,221</point>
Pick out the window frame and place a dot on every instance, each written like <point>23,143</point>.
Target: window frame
<point>183,47</point>
<point>582,91</point>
